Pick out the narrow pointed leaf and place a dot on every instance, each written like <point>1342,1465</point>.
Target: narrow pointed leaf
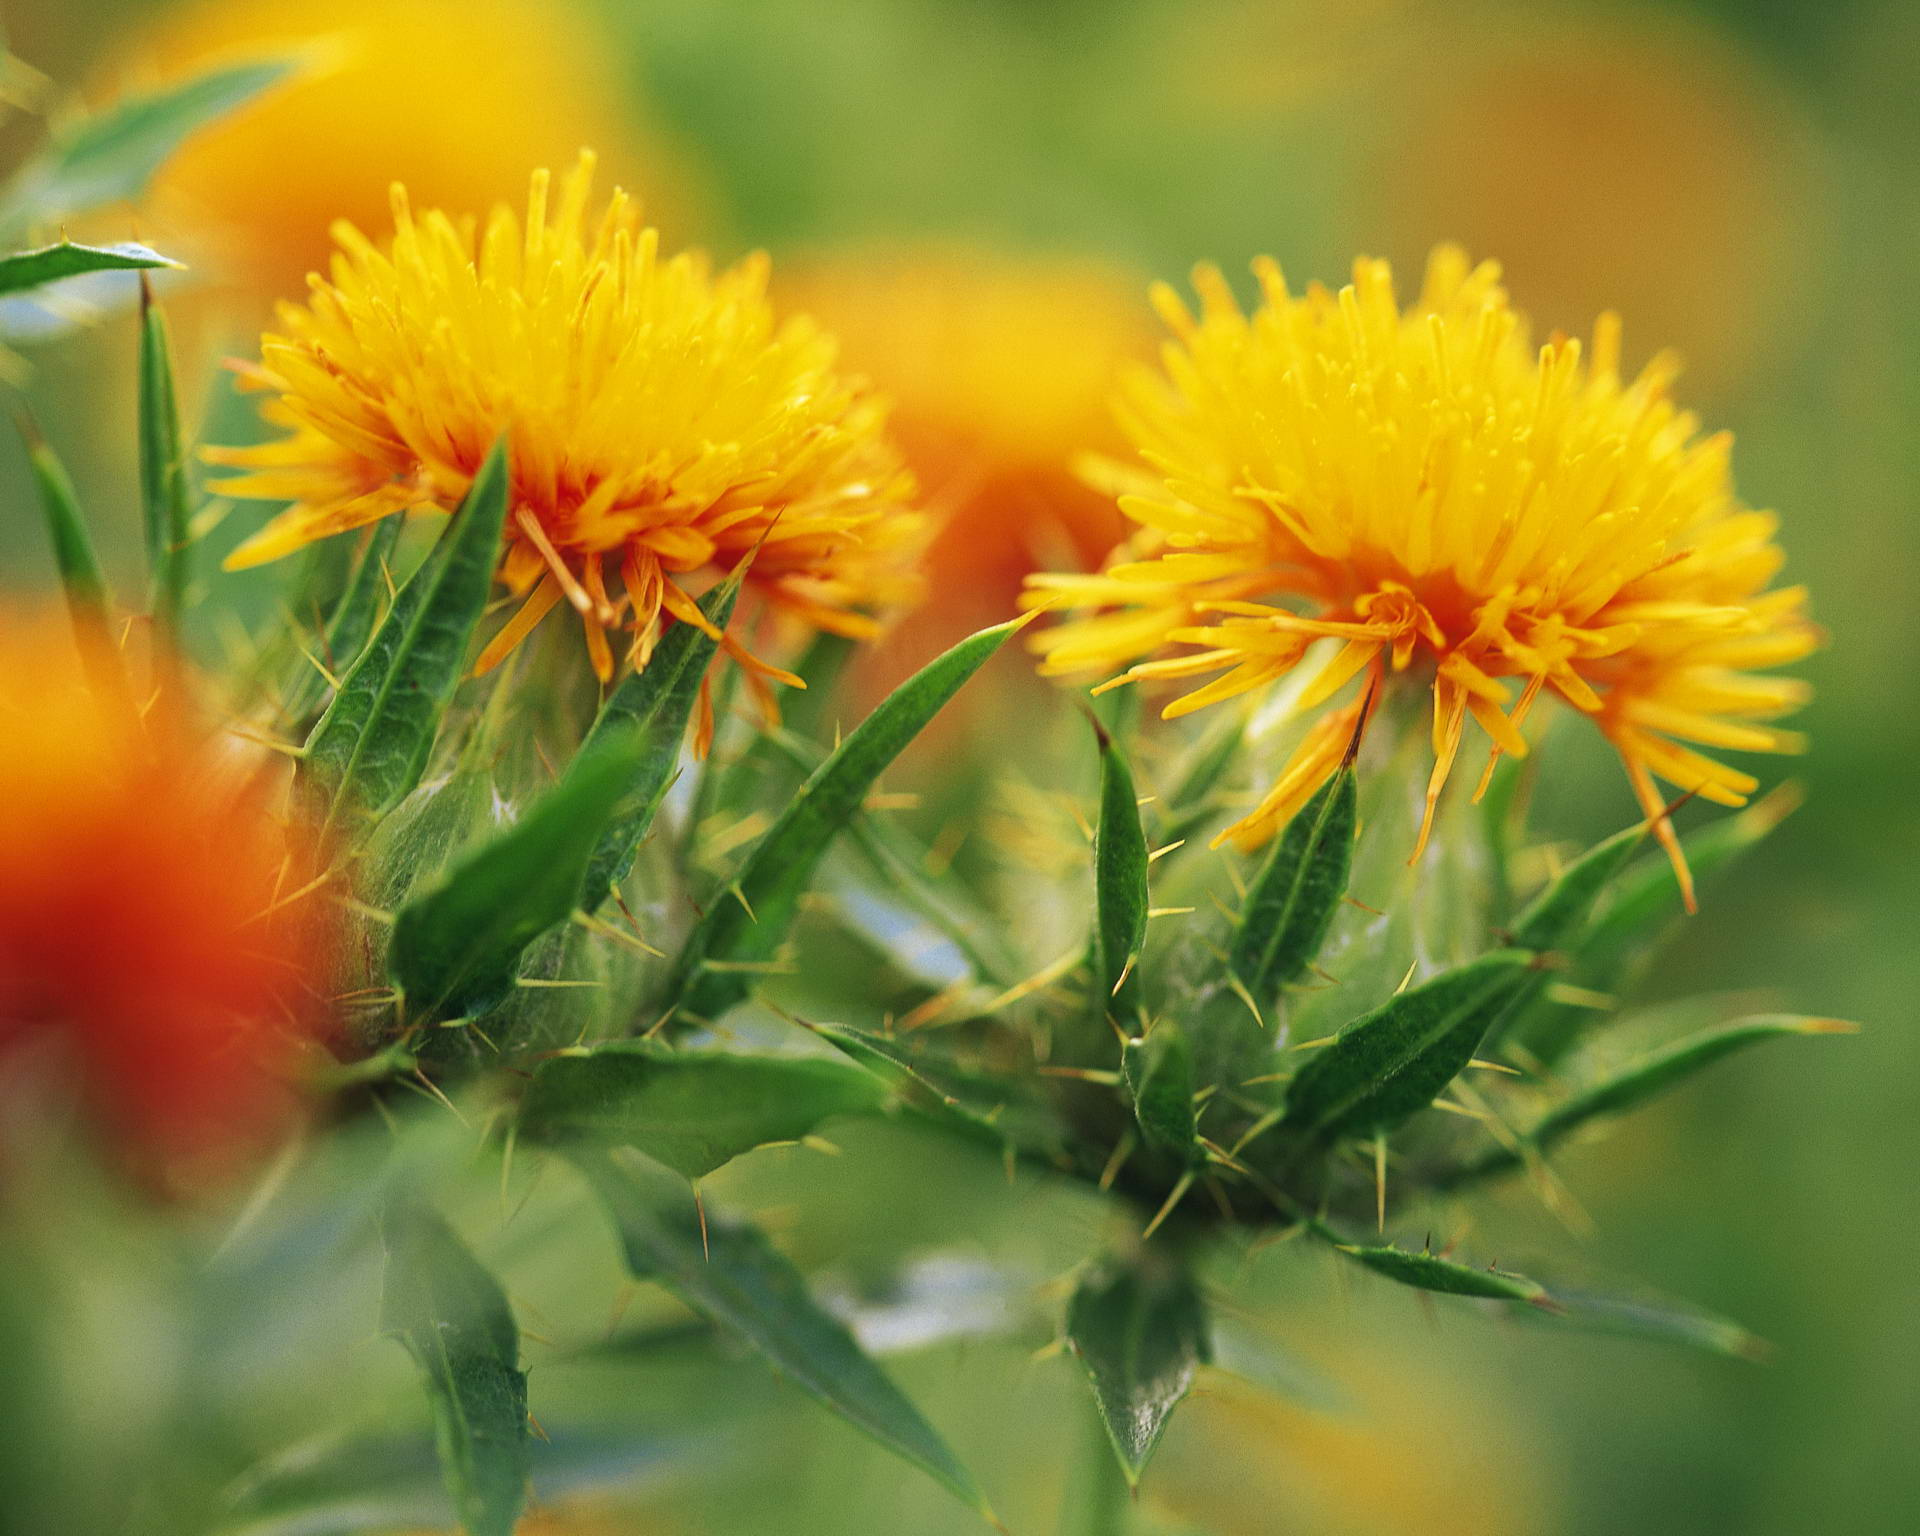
<point>353,619</point>
<point>691,1110</point>
<point>993,1111</point>
<point>736,1279</point>
<point>456,949</point>
<point>1657,1319</point>
<point>1428,1272</point>
<point>1392,1062</point>
<point>747,923</point>
<point>372,744</point>
<point>454,1320</point>
<point>29,269</point>
<point>1140,1331</point>
<point>1641,1080</point>
<point>1294,897</point>
<point>73,555</point>
<point>163,468</point>
<point>1556,915</point>
<point>1158,1071</point>
<point>1119,886</point>
<point>1192,800</point>
<point>111,156</point>
<point>654,703</point>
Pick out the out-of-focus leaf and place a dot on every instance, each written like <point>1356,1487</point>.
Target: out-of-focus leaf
<point>745,925</point>
<point>111,156</point>
<point>1240,1350</point>
<point>29,269</point>
<point>73,556</point>
<point>1641,1080</point>
<point>1158,1070</point>
<point>1140,1330</point>
<point>653,705</point>
<point>991,1110</point>
<point>1119,886</point>
<point>163,468</point>
<point>1392,1062</point>
<point>691,1110</point>
<point>372,744</point>
<point>1192,800</point>
<point>1657,1319</point>
<point>732,1275</point>
<point>454,1319</point>
<point>353,619</point>
<point>456,949</point>
<point>1429,1272</point>
<point>1292,901</point>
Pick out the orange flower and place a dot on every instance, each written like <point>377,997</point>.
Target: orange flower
<point>137,876</point>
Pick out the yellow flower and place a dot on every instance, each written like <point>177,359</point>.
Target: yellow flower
<point>1424,487</point>
<point>662,423</point>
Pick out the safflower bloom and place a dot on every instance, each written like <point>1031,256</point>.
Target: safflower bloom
<point>141,931</point>
<point>662,423</point>
<point>1424,487</point>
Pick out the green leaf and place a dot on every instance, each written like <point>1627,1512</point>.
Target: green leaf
<point>372,744</point>
<point>691,1110</point>
<point>1392,1062</point>
<point>456,949</point>
<point>353,619</point>
<point>112,156</point>
<point>990,1111</point>
<point>652,704</point>
<point>29,269</point>
<point>730,1274</point>
<point>1552,918</point>
<point>1641,1080</point>
<point>1658,1319</point>
<point>1192,800</point>
<point>744,927</point>
<point>79,567</point>
<point>1140,1330</point>
<point>1428,1272</point>
<point>1295,895</point>
<point>163,467</point>
<point>1119,885</point>
<point>454,1319</point>
<point>1158,1070</point>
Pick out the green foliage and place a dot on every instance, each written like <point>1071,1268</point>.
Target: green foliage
<point>1119,886</point>
<point>1292,901</point>
<point>1140,1330</point>
<point>743,929</point>
<point>454,1319</point>
<point>1430,1272</point>
<point>80,575</point>
<point>353,618</point>
<point>691,1110</point>
<point>651,705</point>
<point>163,470</point>
<point>1159,1075</point>
<point>372,744</point>
<point>457,948</point>
<point>110,157</point>
<point>30,269</point>
<point>730,1274</point>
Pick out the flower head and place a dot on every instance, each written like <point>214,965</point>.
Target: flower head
<point>662,424</point>
<point>140,930</point>
<point>1425,488</point>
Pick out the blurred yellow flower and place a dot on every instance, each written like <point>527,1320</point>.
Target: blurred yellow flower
<point>454,98</point>
<point>1424,487</point>
<point>662,423</point>
<point>1000,368</point>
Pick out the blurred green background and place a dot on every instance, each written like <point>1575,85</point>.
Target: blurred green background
<point>1736,176</point>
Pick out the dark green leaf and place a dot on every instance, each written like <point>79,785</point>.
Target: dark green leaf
<point>653,704</point>
<point>733,1276</point>
<point>1119,886</point>
<point>79,567</point>
<point>1428,1272</point>
<point>1392,1062</point>
<point>354,617</point>
<point>1555,916</point>
<point>29,269</point>
<point>1140,1330</point>
<point>454,1319</point>
<point>456,949</point>
<point>691,1110</point>
<point>1159,1075</point>
<point>988,1111</point>
<point>372,744</point>
<point>744,927</point>
<point>1642,1080</point>
<point>1298,890</point>
<point>163,467</point>
<point>111,156</point>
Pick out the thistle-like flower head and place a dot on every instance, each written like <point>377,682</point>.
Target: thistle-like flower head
<point>662,422</point>
<point>1425,487</point>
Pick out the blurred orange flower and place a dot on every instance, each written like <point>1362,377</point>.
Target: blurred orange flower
<point>1000,368</point>
<point>137,874</point>
<point>456,98</point>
